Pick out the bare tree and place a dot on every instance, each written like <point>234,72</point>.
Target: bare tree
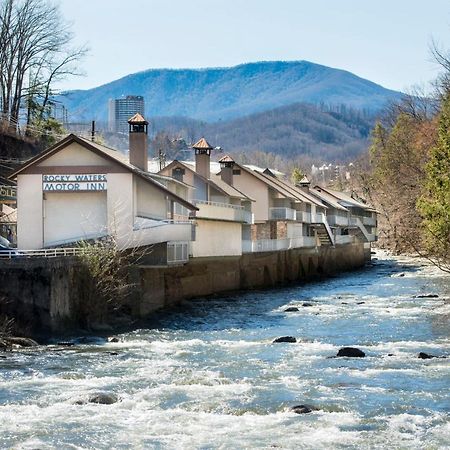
<point>34,53</point>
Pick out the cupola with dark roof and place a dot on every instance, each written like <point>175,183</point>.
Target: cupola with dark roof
<point>226,169</point>
<point>203,157</point>
<point>138,143</point>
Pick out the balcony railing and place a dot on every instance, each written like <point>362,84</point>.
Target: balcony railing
<point>224,211</point>
<point>344,239</point>
<point>335,219</point>
<point>303,216</point>
<point>270,245</point>
<point>279,213</point>
<point>318,218</point>
<point>369,221</point>
<point>147,232</point>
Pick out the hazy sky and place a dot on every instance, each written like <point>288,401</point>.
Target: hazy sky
<point>385,41</point>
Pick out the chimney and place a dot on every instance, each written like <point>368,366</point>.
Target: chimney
<point>304,184</point>
<point>202,158</point>
<point>226,169</point>
<point>138,145</point>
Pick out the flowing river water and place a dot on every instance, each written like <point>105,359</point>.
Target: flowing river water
<point>208,376</point>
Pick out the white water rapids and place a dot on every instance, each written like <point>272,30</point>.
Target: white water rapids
<point>207,376</point>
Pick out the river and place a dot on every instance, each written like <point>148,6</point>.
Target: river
<point>207,376</point>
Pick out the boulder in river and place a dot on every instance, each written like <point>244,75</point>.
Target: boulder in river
<point>427,296</point>
<point>304,409</point>
<point>351,352</point>
<point>291,309</point>
<point>423,355</point>
<point>101,398</point>
<point>289,339</point>
<point>113,339</point>
<point>307,304</point>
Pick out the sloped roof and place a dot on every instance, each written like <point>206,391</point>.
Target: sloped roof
<point>101,150</point>
<point>307,198</point>
<point>327,198</point>
<point>346,200</point>
<point>137,119</point>
<point>202,144</point>
<point>270,181</point>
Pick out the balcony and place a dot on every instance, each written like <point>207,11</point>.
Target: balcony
<point>279,213</point>
<point>148,231</point>
<point>337,220</point>
<point>222,211</point>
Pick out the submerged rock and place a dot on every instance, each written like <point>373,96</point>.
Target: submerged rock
<point>427,296</point>
<point>304,409</point>
<point>113,339</point>
<point>291,309</point>
<point>307,304</point>
<point>289,339</point>
<point>360,303</point>
<point>351,352</point>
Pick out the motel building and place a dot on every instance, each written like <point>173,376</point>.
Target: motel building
<point>80,190</point>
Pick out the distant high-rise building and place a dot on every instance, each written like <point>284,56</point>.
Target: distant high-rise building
<point>122,109</point>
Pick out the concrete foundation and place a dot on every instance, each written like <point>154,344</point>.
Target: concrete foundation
<point>45,296</point>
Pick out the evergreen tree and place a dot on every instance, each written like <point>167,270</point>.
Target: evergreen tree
<point>434,205</point>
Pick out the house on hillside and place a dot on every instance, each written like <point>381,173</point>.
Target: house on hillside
<point>224,213</point>
<point>80,190</point>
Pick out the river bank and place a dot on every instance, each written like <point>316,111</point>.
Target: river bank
<point>206,375</point>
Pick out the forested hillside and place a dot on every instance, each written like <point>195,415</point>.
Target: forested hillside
<point>322,134</point>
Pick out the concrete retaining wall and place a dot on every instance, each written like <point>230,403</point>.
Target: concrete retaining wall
<point>46,295</point>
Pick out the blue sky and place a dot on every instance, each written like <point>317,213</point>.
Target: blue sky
<point>385,41</point>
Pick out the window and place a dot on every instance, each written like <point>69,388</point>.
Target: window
<point>236,171</point>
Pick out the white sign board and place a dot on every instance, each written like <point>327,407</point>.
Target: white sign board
<point>74,182</point>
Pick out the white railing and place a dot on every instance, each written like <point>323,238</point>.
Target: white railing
<point>302,242</point>
<point>177,252</point>
<point>45,252</point>
<point>369,221</point>
<point>303,216</point>
<point>335,219</point>
<point>278,213</point>
<point>318,218</point>
<point>270,245</point>
<point>344,239</point>
<point>224,211</point>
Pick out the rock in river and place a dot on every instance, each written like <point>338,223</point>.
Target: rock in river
<point>304,409</point>
<point>289,339</point>
<point>423,355</point>
<point>102,398</point>
<point>427,296</point>
<point>291,309</point>
<point>351,352</point>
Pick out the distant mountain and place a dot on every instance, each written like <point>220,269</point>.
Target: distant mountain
<point>216,94</point>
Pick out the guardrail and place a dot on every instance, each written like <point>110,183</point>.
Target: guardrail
<point>224,211</point>
<point>45,252</point>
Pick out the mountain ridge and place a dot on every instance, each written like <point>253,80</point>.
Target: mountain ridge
<point>224,93</point>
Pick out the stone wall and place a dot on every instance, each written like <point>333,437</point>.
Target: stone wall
<point>46,296</point>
